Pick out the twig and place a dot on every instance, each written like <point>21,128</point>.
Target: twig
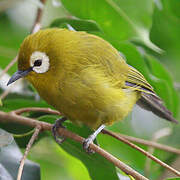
<point>33,138</point>
<point>37,22</point>
<point>142,151</point>
<point>12,117</point>
<point>34,109</point>
<point>151,143</point>
<point>156,136</point>
<point>8,67</point>
<point>5,93</point>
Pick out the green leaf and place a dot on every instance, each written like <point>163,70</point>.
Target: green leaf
<point>119,19</point>
<point>166,25</point>
<point>77,24</point>
<point>173,179</point>
<point>13,104</point>
<point>163,84</point>
<point>11,37</point>
<point>98,166</point>
<point>1,104</point>
<point>56,163</point>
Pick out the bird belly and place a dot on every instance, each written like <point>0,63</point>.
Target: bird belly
<point>89,104</point>
<point>94,107</point>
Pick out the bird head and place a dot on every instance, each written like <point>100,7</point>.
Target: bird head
<point>36,59</point>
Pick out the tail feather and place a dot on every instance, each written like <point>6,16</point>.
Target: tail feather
<point>153,103</point>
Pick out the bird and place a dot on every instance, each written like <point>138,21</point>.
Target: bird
<point>85,78</point>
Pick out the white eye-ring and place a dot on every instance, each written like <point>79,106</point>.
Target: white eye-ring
<point>39,62</point>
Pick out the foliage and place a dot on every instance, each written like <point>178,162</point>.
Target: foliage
<point>146,33</point>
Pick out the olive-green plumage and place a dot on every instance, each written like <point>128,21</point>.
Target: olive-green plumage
<point>87,80</point>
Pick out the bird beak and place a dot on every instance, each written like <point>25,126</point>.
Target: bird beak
<point>19,74</point>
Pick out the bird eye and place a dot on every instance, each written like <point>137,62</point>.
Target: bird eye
<point>38,62</point>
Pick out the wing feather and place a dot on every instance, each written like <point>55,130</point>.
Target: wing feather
<point>149,100</point>
<point>136,81</point>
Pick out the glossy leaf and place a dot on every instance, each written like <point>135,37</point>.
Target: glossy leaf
<point>166,25</point>
<point>10,157</point>
<point>105,169</point>
<point>5,138</point>
<point>164,86</point>
<point>77,24</point>
<point>118,19</point>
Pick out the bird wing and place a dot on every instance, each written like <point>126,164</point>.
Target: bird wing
<point>148,100</point>
<point>136,81</point>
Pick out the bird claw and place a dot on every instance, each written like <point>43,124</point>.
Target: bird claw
<point>86,145</point>
<point>58,124</point>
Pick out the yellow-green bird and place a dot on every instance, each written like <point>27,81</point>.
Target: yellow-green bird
<point>85,78</point>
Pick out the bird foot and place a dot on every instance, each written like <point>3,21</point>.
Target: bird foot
<point>86,145</point>
<point>58,124</point>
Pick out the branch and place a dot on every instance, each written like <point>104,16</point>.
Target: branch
<point>156,136</point>
<point>130,138</point>
<point>33,138</point>
<point>34,109</point>
<point>37,23</point>
<point>12,117</point>
<point>151,143</point>
<point>117,136</point>
<point>142,151</point>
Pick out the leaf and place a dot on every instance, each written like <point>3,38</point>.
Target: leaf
<point>5,138</point>
<point>10,157</point>
<point>4,175</point>
<point>167,19</point>
<point>12,104</point>
<point>11,38</point>
<point>118,19</point>
<point>77,24</point>
<point>163,84</point>
<point>98,166</point>
<point>1,104</point>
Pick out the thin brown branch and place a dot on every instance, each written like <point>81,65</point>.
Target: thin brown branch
<point>130,138</point>
<point>176,172</point>
<point>33,138</point>
<point>37,22</point>
<point>8,67</point>
<point>5,93</point>
<point>34,109</point>
<point>151,143</point>
<point>12,117</point>
<point>156,136</point>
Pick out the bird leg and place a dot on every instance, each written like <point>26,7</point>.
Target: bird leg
<point>91,138</point>
<point>58,124</point>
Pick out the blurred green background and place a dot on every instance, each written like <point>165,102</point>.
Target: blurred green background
<point>147,34</point>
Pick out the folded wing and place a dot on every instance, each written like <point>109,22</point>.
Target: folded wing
<point>149,100</point>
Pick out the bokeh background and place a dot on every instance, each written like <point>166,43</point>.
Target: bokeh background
<point>147,34</point>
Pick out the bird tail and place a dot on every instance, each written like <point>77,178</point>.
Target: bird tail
<point>153,103</point>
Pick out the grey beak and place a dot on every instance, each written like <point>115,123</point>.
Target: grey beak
<point>19,74</point>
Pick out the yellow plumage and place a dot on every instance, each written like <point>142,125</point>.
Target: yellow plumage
<point>87,80</point>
